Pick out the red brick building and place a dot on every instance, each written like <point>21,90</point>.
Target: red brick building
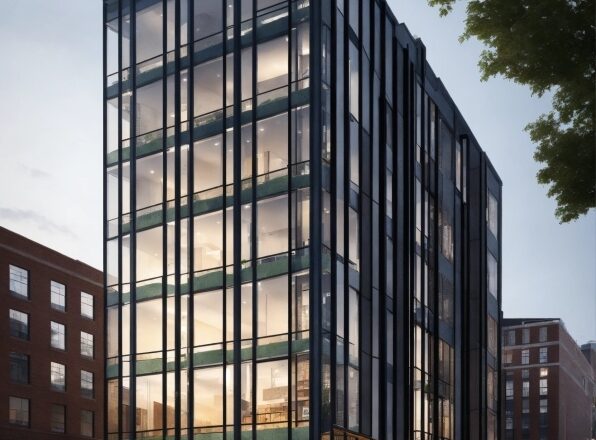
<point>51,372</point>
<point>548,382</point>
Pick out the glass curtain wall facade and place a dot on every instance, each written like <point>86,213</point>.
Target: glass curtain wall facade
<point>293,211</point>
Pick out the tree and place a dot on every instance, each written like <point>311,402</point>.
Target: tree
<point>549,45</point>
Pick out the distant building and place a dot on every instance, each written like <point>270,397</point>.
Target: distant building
<point>589,351</point>
<point>51,349</point>
<point>548,382</point>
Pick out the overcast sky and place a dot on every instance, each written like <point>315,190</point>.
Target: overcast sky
<point>51,150</point>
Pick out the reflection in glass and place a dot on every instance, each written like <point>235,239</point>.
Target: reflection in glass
<point>208,18</point>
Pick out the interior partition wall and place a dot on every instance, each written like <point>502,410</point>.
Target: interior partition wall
<point>295,237</point>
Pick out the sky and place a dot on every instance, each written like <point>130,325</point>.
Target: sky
<point>51,150</point>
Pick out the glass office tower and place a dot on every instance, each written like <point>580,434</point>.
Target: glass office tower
<point>302,235</point>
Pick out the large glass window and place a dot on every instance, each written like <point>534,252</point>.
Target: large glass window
<point>493,276</point>
<point>149,326</point>
<point>57,376</point>
<point>208,241</point>
<point>19,368</point>
<point>272,306</point>
<point>543,387</point>
<point>149,396</point>
<point>58,296</point>
<point>87,310</point>
<point>492,214</point>
<point>208,18</point>
<point>208,87</point>
<point>19,324</point>
<point>86,344</point>
<point>87,389</point>
<point>18,281</point>
<point>208,317</point>
<point>149,184</point>
<point>58,418</point>
<point>272,226</point>
<point>272,145</point>
<point>149,26</point>
<point>149,254</point>
<point>272,64</point>
<point>208,390</point>
<point>525,357</point>
<point>87,423</point>
<point>543,359</point>
<point>354,81</point>
<point>57,335</point>
<point>149,107</point>
<point>272,393</point>
<point>208,163</point>
<point>18,411</point>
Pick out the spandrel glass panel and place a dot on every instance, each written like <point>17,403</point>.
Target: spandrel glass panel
<point>149,181</point>
<point>149,107</point>
<point>493,279</point>
<point>354,239</point>
<point>149,326</point>
<point>354,321</point>
<point>208,391</point>
<point>272,226</point>
<point>354,152</point>
<point>126,116</point>
<point>246,153</point>
<point>208,241</point>
<point>300,301</point>
<point>208,317</point>
<point>208,163</point>
<point>149,254</point>
<point>246,232</point>
<point>246,77</point>
<point>272,297</point>
<point>149,27</point>
<point>208,18</point>
<point>272,143</point>
<point>272,64</point>
<point>149,398</point>
<point>208,87</point>
<point>125,194</point>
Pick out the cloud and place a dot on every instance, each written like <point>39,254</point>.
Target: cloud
<point>41,222</point>
<point>35,172</point>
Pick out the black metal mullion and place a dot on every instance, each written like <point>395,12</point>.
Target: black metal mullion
<point>291,232</point>
<point>237,220</point>
<point>164,297</point>
<point>133,228</point>
<point>224,222</point>
<point>190,222</point>
<point>177,227</point>
<point>253,223</point>
<point>315,242</point>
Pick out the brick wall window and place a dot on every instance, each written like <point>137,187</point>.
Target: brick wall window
<point>18,283</point>
<point>58,296</point>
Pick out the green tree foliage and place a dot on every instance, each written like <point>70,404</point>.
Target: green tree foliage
<point>548,45</point>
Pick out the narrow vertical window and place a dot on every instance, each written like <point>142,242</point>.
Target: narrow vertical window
<point>57,335</point>
<point>19,368</point>
<point>58,296</point>
<point>58,418</point>
<point>86,344</point>
<point>18,411</point>
<point>57,376</point>
<point>87,389</point>
<point>19,324</point>
<point>87,423</point>
<point>18,283</point>
<point>87,310</point>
